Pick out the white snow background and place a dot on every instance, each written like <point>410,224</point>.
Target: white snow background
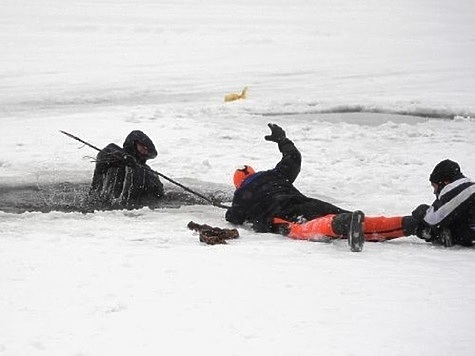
<point>334,74</point>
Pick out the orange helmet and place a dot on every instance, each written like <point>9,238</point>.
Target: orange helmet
<point>241,174</point>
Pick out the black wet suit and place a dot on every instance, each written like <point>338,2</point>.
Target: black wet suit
<point>268,194</point>
<point>121,177</point>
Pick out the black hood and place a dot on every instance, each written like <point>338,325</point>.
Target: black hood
<point>138,136</point>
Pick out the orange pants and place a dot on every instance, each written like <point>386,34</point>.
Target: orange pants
<point>375,228</point>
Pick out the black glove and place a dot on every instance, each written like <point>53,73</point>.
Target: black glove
<point>420,212</point>
<point>424,232</point>
<point>277,133</point>
<point>130,161</point>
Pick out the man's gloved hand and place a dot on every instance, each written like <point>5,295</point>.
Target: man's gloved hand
<point>277,133</point>
<point>420,212</point>
<point>424,232</point>
<point>130,161</point>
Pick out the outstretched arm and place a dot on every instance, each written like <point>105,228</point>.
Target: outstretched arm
<point>291,160</point>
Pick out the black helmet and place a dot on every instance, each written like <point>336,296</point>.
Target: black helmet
<point>446,171</point>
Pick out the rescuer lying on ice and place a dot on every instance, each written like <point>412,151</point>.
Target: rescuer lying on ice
<point>271,203</point>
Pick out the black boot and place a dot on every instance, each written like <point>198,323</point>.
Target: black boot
<point>350,225</point>
<point>356,237</point>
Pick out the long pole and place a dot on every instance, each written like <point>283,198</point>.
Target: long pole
<point>219,205</point>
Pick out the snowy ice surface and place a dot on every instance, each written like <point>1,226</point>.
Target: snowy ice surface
<point>335,74</point>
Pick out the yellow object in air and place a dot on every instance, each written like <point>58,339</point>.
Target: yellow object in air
<point>234,96</point>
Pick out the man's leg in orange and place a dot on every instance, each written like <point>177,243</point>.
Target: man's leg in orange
<point>381,228</point>
<point>313,229</point>
<point>376,228</point>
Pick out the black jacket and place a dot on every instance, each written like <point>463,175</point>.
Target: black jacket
<point>455,209</point>
<point>121,177</point>
<point>268,194</point>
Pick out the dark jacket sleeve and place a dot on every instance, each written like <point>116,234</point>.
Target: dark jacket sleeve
<point>450,207</point>
<point>235,215</point>
<point>289,165</point>
<point>110,156</point>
